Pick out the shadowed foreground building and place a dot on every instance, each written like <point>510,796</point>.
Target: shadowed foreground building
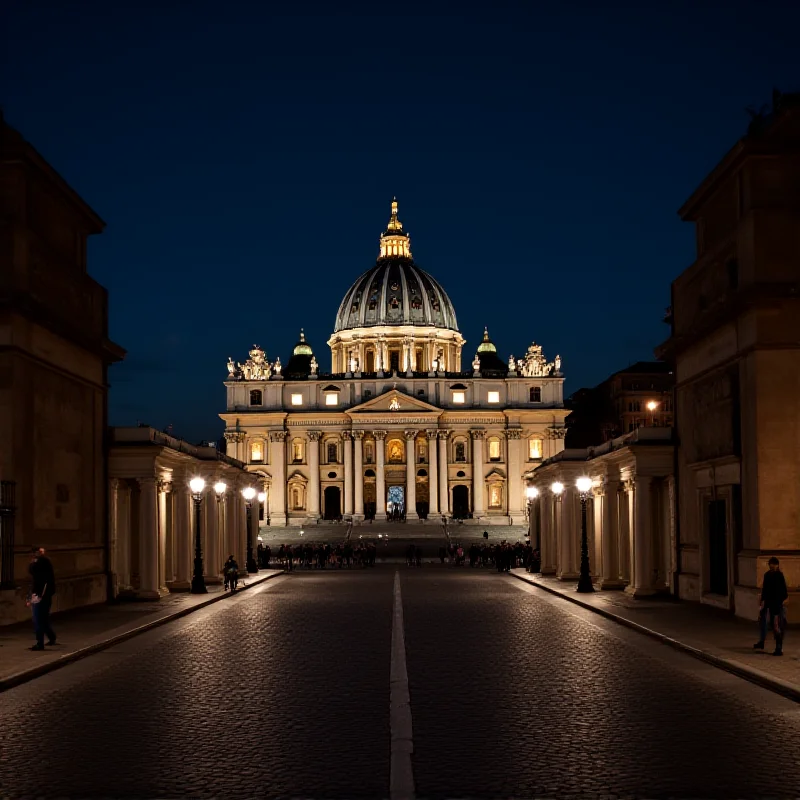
<point>54,358</point>
<point>735,347</point>
<point>397,426</point>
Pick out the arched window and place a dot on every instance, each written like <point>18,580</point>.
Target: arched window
<point>255,397</point>
<point>460,451</point>
<point>534,449</point>
<point>494,449</point>
<point>297,451</point>
<point>256,451</point>
<point>332,453</point>
<point>536,394</point>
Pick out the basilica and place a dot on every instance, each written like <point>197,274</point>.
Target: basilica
<point>398,428</point>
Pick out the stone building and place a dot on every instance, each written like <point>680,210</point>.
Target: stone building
<point>54,359</point>
<point>639,396</point>
<point>397,428</point>
<point>630,512</point>
<point>152,512</point>
<point>735,347</point>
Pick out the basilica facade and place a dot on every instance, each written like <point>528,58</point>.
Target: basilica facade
<point>397,428</point>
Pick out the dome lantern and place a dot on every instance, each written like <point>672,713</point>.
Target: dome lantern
<point>487,345</point>
<point>302,348</point>
<point>394,240</point>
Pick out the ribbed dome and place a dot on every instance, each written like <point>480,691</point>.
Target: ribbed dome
<point>395,291</point>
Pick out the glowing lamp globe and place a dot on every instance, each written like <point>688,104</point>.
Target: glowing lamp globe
<point>262,496</point>
<point>248,493</point>
<point>652,405</point>
<point>557,487</point>
<point>197,485</point>
<point>583,484</point>
<point>532,492</point>
<point>220,487</point>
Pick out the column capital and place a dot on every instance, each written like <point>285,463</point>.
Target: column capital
<point>314,436</point>
<point>347,435</point>
<point>359,435</point>
<point>432,434</point>
<point>164,485</point>
<point>443,434</point>
<point>410,434</point>
<point>478,434</point>
<point>278,436</point>
<point>234,436</point>
<point>627,485</point>
<point>514,433</point>
<point>381,435</point>
<point>114,484</point>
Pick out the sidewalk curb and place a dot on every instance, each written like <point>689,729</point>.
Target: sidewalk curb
<point>19,678</point>
<point>753,675</point>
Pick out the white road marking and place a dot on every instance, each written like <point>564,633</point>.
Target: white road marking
<point>401,777</point>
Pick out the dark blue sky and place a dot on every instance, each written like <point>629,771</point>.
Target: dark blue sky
<point>244,156</point>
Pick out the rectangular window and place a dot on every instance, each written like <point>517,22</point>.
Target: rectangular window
<point>297,399</point>
<point>332,456</point>
<point>331,399</point>
<point>534,449</point>
<point>494,449</point>
<point>494,397</point>
<point>459,397</point>
<point>536,394</point>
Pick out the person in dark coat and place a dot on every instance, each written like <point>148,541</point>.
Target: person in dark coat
<point>773,600</point>
<point>43,587</point>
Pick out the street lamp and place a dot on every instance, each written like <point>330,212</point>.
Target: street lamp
<point>531,492</point>
<point>585,580</point>
<point>249,493</point>
<point>651,407</point>
<point>557,488</point>
<point>198,581</point>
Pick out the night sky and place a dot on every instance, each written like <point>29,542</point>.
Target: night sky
<point>245,155</point>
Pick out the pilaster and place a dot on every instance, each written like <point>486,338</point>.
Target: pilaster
<point>478,482</point>
<point>411,476</point>
<point>433,477</point>
<point>380,482</point>
<point>444,489</point>
<point>358,476</point>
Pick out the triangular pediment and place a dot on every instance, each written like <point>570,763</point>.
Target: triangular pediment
<point>394,402</point>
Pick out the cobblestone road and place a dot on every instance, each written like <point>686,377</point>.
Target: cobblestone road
<point>284,692</point>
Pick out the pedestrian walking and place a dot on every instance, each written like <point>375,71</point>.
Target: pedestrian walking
<point>43,587</point>
<point>774,595</point>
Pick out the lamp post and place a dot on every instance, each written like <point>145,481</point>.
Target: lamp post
<point>198,581</point>
<point>651,407</point>
<point>531,492</point>
<point>249,493</point>
<point>585,584</point>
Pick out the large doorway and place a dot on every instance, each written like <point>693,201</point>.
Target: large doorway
<point>396,502</point>
<point>333,504</point>
<point>460,502</point>
<point>717,547</point>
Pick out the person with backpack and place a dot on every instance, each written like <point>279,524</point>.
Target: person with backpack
<point>774,595</point>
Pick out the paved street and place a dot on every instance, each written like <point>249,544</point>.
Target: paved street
<point>284,691</point>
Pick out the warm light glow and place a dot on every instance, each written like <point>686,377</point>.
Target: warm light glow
<point>532,492</point>
<point>557,487</point>
<point>652,405</point>
<point>583,484</point>
<point>220,487</point>
<point>248,493</point>
<point>494,397</point>
<point>459,397</point>
<point>534,449</point>
<point>262,496</point>
<point>331,399</point>
<point>197,485</point>
<point>297,399</point>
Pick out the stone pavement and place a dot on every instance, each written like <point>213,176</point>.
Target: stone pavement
<point>283,692</point>
<point>83,631</point>
<point>724,639</point>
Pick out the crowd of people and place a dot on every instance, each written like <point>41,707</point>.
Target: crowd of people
<point>503,556</point>
<point>318,556</point>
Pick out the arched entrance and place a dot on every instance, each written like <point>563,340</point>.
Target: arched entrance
<point>333,505</point>
<point>460,502</point>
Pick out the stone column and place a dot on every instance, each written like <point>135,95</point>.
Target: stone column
<point>433,478</point>
<point>567,505</point>
<point>241,526</point>
<point>358,474</point>
<point>625,499</point>
<point>380,482</point>
<point>444,491</point>
<point>642,578</point>
<point>212,559</point>
<point>164,487</point>
<point>546,537</point>
<point>184,547</point>
<point>313,473</point>
<point>348,472</point>
<point>515,497</point>
<point>277,461</point>
<point>229,522</point>
<point>609,542</point>
<point>114,485</point>
<point>478,483</point>
<point>124,537</point>
<point>148,538</point>
<point>411,475</point>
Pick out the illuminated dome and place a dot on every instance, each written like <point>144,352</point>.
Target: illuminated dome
<point>395,292</point>
<point>302,348</point>
<point>487,345</point>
